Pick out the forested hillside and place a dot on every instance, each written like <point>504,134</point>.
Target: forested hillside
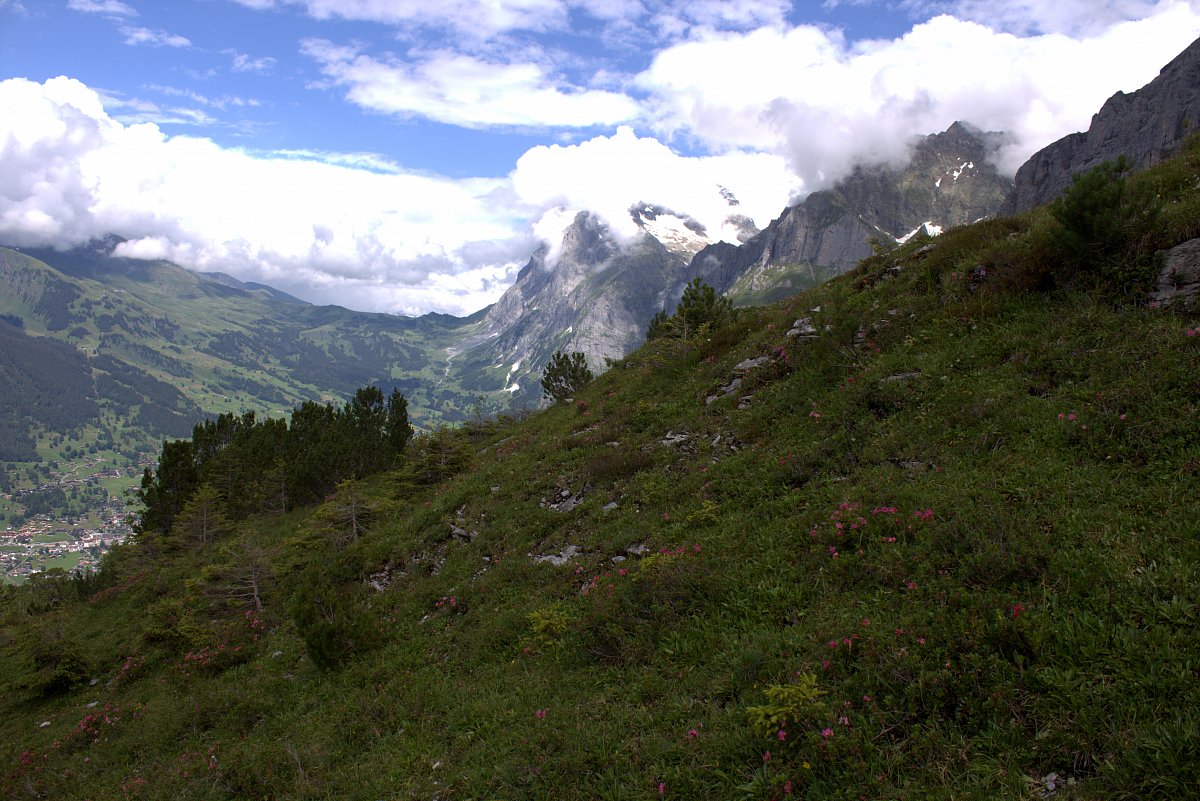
<point>925,532</point>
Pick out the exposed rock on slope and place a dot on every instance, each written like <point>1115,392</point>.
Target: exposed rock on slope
<point>947,182</point>
<point>1145,127</point>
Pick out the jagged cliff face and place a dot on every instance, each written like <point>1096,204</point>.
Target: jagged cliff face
<point>1145,127</point>
<point>947,182</point>
<point>597,298</point>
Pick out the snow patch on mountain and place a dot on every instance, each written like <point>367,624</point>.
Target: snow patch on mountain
<point>928,227</point>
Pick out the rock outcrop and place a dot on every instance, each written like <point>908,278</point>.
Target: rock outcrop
<point>1179,281</point>
<point>1146,127</point>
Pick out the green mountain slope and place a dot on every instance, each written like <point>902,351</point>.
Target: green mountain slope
<point>225,344</point>
<point>103,357</point>
<point>938,543</point>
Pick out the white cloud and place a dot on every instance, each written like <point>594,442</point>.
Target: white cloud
<point>223,102</point>
<point>113,7</point>
<point>608,174</point>
<point>462,90</point>
<point>482,21</point>
<point>245,63</point>
<point>153,38</point>
<point>828,104</point>
<point>676,20</point>
<point>469,16</point>
<point>1071,17</point>
<point>395,242</point>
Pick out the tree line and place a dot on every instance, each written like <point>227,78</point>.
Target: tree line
<point>237,465</point>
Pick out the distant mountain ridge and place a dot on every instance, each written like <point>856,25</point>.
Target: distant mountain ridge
<point>1146,127</point>
<point>599,295</point>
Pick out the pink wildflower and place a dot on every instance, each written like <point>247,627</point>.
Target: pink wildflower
<point>826,733</point>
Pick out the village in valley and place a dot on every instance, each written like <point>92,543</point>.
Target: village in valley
<point>72,536</point>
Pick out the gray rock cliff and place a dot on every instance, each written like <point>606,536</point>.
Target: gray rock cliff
<point>1146,127</point>
<point>947,181</point>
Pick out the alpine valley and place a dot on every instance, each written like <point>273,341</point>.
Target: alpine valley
<point>104,356</point>
<point>917,522</point>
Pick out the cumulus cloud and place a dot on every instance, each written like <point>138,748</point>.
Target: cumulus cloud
<point>382,241</point>
<point>606,174</point>
<point>828,104</point>
<point>462,90</point>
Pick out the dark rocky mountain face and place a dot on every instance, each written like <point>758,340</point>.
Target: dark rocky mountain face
<point>596,298</point>
<point>948,181</point>
<point>1145,127</point>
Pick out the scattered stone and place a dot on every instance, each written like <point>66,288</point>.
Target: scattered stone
<point>673,438</point>
<point>276,654</point>
<point>460,533</point>
<point>616,560</point>
<point>92,704</point>
<point>727,389</point>
<point>561,558</point>
<point>496,488</point>
<point>1179,281</point>
<point>900,377</point>
<point>1049,785</point>
<point>750,364</point>
<point>914,465</point>
<point>803,328</point>
<point>608,507</point>
<point>921,251</point>
<point>565,500</point>
<point>744,403</point>
<point>93,682</point>
<point>43,724</point>
<point>641,549</point>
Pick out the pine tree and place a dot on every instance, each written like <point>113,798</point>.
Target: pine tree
<point>565,375</point>
<point>203,518</point>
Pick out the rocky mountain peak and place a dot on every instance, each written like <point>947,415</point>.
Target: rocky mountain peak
<point>587,242</point>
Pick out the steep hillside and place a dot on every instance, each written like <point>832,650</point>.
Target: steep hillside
<point>923,532</point>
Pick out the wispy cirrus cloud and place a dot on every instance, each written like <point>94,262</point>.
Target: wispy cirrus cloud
<point>138,36</point>
<point>240,62</point>
<point>113,8</point>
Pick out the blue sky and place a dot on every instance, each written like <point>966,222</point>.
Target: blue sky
<point>408,156</point>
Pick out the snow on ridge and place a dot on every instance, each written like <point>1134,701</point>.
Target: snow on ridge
<point>929,228</point>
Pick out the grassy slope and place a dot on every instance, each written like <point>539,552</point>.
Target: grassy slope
<point>967,511</point>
